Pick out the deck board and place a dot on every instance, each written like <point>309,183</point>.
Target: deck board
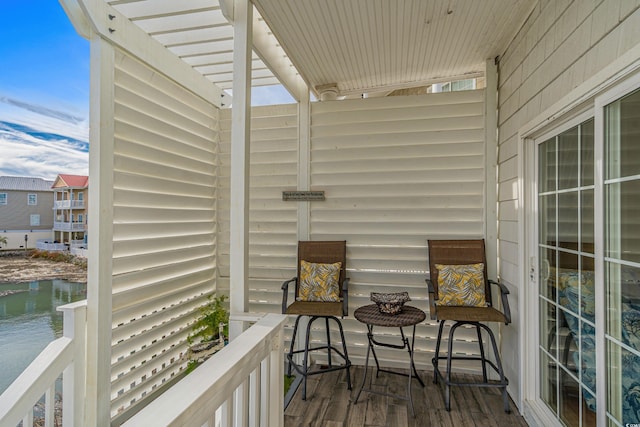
<point>330,403</point>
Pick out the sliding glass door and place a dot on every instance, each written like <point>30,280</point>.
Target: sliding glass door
<point>571,206</point>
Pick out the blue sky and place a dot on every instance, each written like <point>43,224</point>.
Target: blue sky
<point>44,91</point>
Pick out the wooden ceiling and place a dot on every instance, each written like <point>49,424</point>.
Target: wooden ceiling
<point>368,45</point>
<point>362,46</point>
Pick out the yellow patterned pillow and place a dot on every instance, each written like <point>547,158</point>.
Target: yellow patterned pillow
<point>461,285</point>
<point>319,282</point>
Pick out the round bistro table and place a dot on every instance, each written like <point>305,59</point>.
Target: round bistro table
<point>371,316</point>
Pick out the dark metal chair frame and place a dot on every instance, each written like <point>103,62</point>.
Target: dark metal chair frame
<point>326,252</point>
<point>458,252</point>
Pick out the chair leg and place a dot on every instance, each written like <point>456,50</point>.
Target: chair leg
<point>482,356</point>
<point>326,322</point>
<point>293,341</point>
<point>344,349</point>
<point>447,388</point>
<point>485,361</point>
<point>505,396</point>
<point>305,359</point>
<point>435,360</point>
<point>304,369</point>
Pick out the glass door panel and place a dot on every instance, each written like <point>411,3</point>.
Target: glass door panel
<point>623,219</point>
<point>568,159</point>
<point>547,166</point>
<point>587,223</point>
<point>568,220</point>
<point>586,153</point>
<point>548,274</point>
<point>547,222</point>
<point>622,258</point>
<point>566,249</point>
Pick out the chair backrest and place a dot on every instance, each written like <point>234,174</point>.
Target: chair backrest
<point>324,252</point>
<point>457,252</point>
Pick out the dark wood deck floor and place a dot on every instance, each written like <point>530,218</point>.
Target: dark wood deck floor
<point>329,403</point>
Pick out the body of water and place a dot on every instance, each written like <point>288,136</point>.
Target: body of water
<point>29,321</point>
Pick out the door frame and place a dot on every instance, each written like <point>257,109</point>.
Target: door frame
<point>533,408</point>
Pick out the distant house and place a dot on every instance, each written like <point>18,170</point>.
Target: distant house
<point>70,208</point>
<point>25,210</point>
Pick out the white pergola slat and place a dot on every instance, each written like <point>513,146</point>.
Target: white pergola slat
<point>180,22</point>
<point>200,33</point>
<point>136,9</point>
<point>98,17</point>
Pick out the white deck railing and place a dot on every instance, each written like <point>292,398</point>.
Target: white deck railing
<point>241,385</point>
<point>78,243</point>
<point>68,204</point>
<point>51,247</point>
<point>64,356</point>
<point>69,226</point>
<point>80,252</point>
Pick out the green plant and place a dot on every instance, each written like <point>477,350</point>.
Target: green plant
<point>58,257</point>
<point>3,240</point>
<point>191,365</point>
<point>206,326</point>
<point>288,380</point>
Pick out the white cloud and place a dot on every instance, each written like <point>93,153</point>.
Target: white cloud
<point>44,119</point>
<point>41,142</point>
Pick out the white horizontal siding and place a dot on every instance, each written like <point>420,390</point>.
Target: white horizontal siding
<point>397,171</point>
<point>164,235</point>
<point>272,222</point>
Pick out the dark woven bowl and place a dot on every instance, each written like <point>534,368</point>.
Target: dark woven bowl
<point>390,303</point>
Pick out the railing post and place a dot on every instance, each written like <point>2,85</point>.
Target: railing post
<point>255,379</point>
<point>73,377</point>
<point>276,381</point>
<point>50,406</point>
<point>241,406</point>
<point>263,396</point>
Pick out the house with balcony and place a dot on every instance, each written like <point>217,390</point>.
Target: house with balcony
<point>70,209</point>
<point>187,200</point>
<point>25,211</point>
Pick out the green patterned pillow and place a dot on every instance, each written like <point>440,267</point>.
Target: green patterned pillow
<point>461,285</point>
<point>319,282</point>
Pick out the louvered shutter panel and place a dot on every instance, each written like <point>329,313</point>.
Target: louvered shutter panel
<point>164,219</point>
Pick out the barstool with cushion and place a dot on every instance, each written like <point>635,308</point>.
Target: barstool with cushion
<point>320,293</point>
<point>459,291</point>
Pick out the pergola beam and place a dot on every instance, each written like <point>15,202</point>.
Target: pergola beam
<point>428,82</point>
<point>270,54</point>
<point>240,142</point>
